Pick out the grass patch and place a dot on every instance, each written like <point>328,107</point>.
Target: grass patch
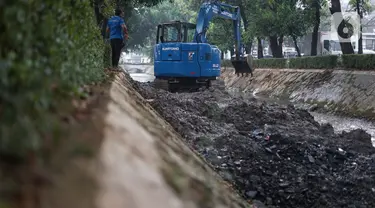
<point>314,62</point>
<point>359,61</point>
<point>272,63</point>
<point>346,61</point>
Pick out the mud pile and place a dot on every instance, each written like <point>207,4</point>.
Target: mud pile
<point>272,153</point>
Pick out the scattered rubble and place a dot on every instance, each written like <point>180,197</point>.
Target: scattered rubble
<point>272,153</point>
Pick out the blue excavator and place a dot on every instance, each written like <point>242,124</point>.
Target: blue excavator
<point>183,58</point>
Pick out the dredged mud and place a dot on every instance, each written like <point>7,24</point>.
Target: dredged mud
<point>273,153</point>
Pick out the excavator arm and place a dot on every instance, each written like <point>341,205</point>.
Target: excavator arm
<point>183,63</point>
<point>208,11</point>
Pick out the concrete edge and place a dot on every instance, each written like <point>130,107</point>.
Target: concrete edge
<point>324,105</point>
<point>338,71</point>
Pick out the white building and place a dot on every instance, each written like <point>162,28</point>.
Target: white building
<point>368,43</point>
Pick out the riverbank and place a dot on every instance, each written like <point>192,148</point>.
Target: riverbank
<point>231,133</point>
<point>340,121</point>
<point>274,153</point>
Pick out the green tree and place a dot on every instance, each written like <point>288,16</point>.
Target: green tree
<point>133,12</point>
<point>273,19</point>
<point>362,7</point>
<point>144,21</point>
<point>314,12</point>
<point>250,18</point>
<point>219,35</point>
<point>301,24</point>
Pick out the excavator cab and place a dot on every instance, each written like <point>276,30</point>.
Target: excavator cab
<point>175,32</point>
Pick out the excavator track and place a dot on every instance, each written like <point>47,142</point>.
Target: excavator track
<point>182,86</point>
<point>161,84</point>
<point>165,85</point>
<point>217,84</point>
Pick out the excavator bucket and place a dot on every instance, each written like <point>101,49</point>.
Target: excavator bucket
<point>242,66</point>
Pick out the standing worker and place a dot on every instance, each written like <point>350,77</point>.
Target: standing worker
<point>117,28</point>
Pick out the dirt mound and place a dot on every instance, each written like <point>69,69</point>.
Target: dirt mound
<point>276,154</point>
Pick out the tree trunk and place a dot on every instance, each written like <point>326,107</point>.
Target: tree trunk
<point>346,47</point>
<point>280,48</point>
<point>260,48</point>
<point>222,56</point>
<point>360,45</point>
<point>102,24</point>
<point>101,21</point>
<point>248,45</point>
<point>314,38</point>
<point>360,42</point>
<point>276,46</point>
<point>104,28</point>
<point>296,46</point>
<point>98,15</point>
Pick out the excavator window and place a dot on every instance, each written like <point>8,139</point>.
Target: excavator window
<point>175,32</point>
<point>171,33</point>
<point>190,31</point>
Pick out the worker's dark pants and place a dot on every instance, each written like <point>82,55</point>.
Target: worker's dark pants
<point>116,45</point>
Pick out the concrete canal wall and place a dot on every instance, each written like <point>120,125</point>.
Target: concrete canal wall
<point>347,92</point>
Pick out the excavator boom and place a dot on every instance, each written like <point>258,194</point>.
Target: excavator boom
<point>208,11</point>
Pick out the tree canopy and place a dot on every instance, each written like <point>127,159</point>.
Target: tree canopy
<point>270,20</point>
<point>142,24</point>
<point>274,22</point>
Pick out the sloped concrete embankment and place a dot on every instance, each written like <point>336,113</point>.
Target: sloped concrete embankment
<point>138,68</point>
<point>146,164</point>
<point>350,93</point>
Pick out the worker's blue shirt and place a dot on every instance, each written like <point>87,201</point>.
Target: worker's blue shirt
<point>115,28</point>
